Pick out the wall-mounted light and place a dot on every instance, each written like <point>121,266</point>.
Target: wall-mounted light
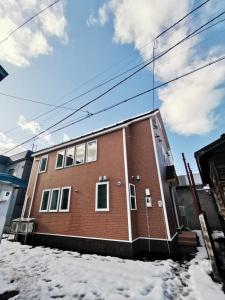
<point>119,183</point>
<point>103,178</point>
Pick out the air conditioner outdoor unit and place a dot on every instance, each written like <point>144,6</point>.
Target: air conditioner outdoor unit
<point>26,227</point>
<point>14,227</point>
<point>23,226</point>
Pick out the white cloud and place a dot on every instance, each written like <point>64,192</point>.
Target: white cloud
<point>188,106</point>
<point>100,19</point>
<point>6,144</point>
<point>32,39</point>
<point>35,128</point>
<point>65,137</point>
<point>32,126</point>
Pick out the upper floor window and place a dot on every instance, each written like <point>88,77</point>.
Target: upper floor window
<point>69,158</point>
<point>76,155</point>
<point>45,200</point>
<point>80,154</point>
<point>65,199</point>
<point>91,151</point>
<point>60,159</point>
<point>43,164</point>
<point>102,196</point>
<point>133,202</point>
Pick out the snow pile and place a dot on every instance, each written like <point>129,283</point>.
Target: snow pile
<point>217,234</point>
<point>44,273</point>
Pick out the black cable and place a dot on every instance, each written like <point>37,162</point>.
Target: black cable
<point>27,21</point>
<point>90,90</point>
<point>128,99</point>
<point>126,78</point>
<point>140,94</point>
<point>37,102</point>
<point>131,75</point>
<point>115,77</point>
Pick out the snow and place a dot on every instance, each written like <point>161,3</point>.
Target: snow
<point>44,273</point>
<point>217,234</point>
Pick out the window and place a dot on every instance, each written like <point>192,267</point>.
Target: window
<point>60,159</point>
<point>133,203</point>
<point>69,158</point>
<point>91,151</point>
<point>43,164</point>
<point>102,196</point>
<point>45,200</point>
<point>80,154</point>
<point>54,200</point>
<point>65,199</point>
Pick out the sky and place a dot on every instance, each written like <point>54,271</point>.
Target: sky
<point>76,45</point>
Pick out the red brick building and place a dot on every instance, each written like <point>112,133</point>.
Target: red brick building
<point>111,191</point>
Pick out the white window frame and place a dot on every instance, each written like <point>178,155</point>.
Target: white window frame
<point>96,196</point>
<point>58,168</point>
<point>61,194</point>
<point>45,190</point>
<point>44,156</point>
<point>64,163</point>
<point>131,196</point>
<point>86,151</point>
<point>50,200</point>
<point>75,154</point>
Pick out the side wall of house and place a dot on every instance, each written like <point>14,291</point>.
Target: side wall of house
<point>147,222</point>
<point>163,149</point>
<point>82,220</point>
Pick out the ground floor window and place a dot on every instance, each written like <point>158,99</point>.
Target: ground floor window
<point>65,199</point>
<point>133,202</point>
<point>57,199</point>
<point>102,196</point>
<point>54,200</point>
<point>45,200</point>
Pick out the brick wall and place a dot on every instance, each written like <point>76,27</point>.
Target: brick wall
<point>141,161</point>
<point>82,219</point>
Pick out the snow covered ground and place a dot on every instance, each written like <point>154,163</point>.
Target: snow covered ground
<point>44,273</point>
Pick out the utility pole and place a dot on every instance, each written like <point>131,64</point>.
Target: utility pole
<point>153,73</point>
<point>203,221</point>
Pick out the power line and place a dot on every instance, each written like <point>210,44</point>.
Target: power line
<point>36,101</point>
<point>131,75</point>
<point>27,21</point>
<point>142,93</point>
<point>118,75</point>
<point>130,98</point>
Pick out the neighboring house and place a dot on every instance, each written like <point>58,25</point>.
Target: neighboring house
<point>111,191</point>
<point>9,186</point>
<point>18,166</point>
<point>187,208</point>
<point>211,164</point>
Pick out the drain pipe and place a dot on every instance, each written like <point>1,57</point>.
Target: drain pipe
<point>35,183</point>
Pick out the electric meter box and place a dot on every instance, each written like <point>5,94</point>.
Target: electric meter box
<point>148,201</point>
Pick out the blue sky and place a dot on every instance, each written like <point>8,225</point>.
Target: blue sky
<point>77,40</point>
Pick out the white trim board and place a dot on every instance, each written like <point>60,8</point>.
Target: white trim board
<point>99,132</point>
<point>160,180</point>
<point>127,185</point>
<point>103,239</point>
